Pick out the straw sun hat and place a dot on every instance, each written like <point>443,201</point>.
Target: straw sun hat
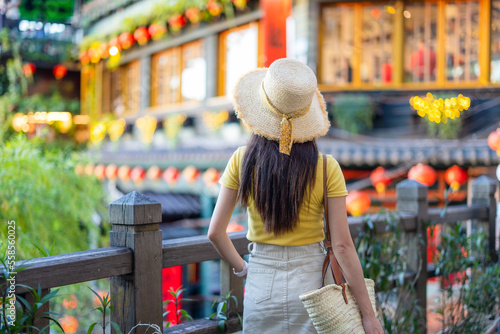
<point>282,103</point>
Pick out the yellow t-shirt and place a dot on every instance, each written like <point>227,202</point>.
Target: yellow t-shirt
<point>310,225</point>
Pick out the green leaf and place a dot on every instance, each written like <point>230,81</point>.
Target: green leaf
<point>116,327</point>
<point>222,326</point>
<point>91,328</point>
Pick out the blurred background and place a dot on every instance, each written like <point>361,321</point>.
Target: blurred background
<point>99,98</point>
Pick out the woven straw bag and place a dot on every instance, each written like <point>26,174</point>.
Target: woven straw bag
<point>332,308</point>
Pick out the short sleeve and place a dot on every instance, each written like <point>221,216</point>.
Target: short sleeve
<point>231,176</point>
<point>335,182</point>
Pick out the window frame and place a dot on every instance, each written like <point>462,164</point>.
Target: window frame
<point>484,51</point>
<point>222,59</point>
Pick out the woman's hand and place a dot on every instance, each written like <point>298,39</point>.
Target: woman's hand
<point>372,325</point>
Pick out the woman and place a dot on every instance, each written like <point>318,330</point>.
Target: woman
<point>278,176</point>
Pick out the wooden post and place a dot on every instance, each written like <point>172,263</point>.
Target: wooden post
<point>135,222</point>
<point>412,198</point>
<point>483,193</point>
<point>42,311</point>
<point>233,283</point>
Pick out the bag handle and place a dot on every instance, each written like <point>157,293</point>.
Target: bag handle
<point>330,256</point>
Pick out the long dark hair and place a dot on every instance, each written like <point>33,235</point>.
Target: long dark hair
<point>277,182</point>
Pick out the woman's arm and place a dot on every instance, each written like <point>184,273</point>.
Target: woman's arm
<point>347,257</point>
<point>217,230</point>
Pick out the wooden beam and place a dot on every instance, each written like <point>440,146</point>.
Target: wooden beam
<point>398,44</point>
<point>441,44</point>
<point>203,326</point>
<point>484,41</point>
<point>65,269</point>
<point>358,45</point>
<point>135,222</point>
<point>182,251</point>
<point>190,36</point>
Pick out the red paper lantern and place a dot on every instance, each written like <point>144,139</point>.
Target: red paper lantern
<point>112,172</point>
<point>79,170</point>
<point>171,175</point>
<point>357,202</point>
<point>29,69</point>
<point>89,169</point>
<point>177,21</point>
<point>494,140</point>
<point>190,173</point>
<point>211,176</point>
<point>100,172</point>
<point>114,42</point>
<point>126,40</point>
<point>154,173</point>
<point>423,174</point>
<point>157,31</point>
<point>60,71</point>
<point>103,50</point>
<point>379,179</point>
<point>455,177</point>
<point>141,35</point>
<point>124,173</point>
<point>138,174</point>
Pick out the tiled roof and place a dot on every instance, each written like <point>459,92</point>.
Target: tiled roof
<point>365,153</point>
<point>386,152</point>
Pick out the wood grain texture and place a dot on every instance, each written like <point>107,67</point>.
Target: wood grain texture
<point>134,209</point>
<point>135,225</point>
<point>412,198</point>
<point>148,279</point>
<point>483,193</point>
<point>182,251</point>
<point>457,213</point>
<point>65,269</point>
<point>203,326</point>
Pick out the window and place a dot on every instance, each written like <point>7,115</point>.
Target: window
<point>178,75</point>
<point>337,25</point>
<point>132,87</point>
<point>462,41</point>
<point>417,42</point>
<point>376,51</point>
<point>495,41</point>
<point>194,70</point>
<point>420,42</point>
<point>116,100</point>
<point>238,55</point>
<point>166,77</point>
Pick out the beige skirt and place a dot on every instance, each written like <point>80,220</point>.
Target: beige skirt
<point>277,275</point>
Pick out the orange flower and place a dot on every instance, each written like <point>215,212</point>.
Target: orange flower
<point>70,303</point>
<point>69,323</point>
<point>96,302</point>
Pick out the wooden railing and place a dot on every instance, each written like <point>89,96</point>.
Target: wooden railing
<point>137,254</point>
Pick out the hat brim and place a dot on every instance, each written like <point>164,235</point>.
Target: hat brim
<point>253,112</point>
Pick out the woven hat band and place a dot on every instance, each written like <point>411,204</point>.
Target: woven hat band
<point>286,131</point>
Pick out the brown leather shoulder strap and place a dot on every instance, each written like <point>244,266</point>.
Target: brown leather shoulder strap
<point>330,258</point>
